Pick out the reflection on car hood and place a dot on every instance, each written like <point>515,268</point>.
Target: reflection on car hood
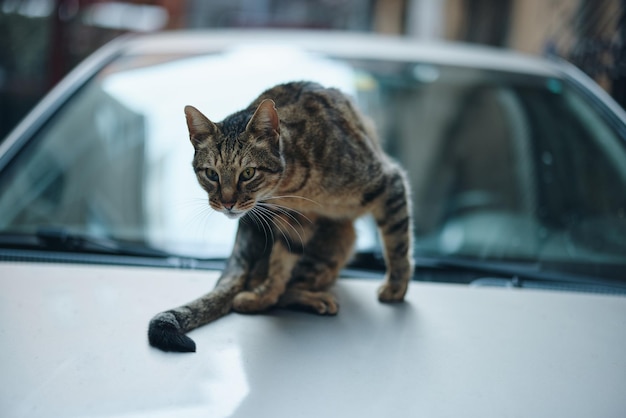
<point>74,344</point>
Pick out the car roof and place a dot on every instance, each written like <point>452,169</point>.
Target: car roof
<point>346,44</point>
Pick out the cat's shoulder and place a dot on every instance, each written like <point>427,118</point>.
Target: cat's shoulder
<point>289,93</point>
<point>293,88</point>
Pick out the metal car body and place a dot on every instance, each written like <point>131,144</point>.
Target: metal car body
<point>473,338</point>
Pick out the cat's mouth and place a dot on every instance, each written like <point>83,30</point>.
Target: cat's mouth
<point>232,211</point>
<point>233,214</point>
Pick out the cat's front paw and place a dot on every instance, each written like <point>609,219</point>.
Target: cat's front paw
<point>326,304</point>
<point>391,292</point>
<point>249,302</point>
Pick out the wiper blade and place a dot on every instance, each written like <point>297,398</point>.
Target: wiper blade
<point>63,240</point>
<point>473,271</point>
<point>60,239</point>
<point>516,273</point>
<point>61,245</point>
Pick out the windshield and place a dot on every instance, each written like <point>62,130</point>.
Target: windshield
<point>503,166</point>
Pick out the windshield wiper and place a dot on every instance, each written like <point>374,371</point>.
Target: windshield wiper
<point>61,245</point>
<point>60,239</point>
<point>513,274</point>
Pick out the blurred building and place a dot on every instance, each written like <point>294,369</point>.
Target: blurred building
<point>589,33</point>
<point>41,40</point>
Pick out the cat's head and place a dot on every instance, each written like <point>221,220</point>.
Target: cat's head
<point>237,161</point>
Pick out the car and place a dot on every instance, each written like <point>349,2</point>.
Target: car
<point>517,167</point>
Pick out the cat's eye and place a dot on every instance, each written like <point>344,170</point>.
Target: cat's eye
<point>247,173</point>
<point>212,174</point>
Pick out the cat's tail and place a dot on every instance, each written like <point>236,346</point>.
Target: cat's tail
<point>167,329</point>
<point>165,332</point>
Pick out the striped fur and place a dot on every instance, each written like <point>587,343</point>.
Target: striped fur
<point>296,168</point>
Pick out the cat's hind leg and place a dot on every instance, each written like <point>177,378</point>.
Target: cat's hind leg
<point>266,286</point>
<point>325,254</point>
<point>299,277</point>
<point>266,294</point>
<point>323,303</point>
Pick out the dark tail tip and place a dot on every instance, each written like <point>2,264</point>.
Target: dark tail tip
<point>164,333</point>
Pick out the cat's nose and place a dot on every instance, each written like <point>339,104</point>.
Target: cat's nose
<point>228,205</point>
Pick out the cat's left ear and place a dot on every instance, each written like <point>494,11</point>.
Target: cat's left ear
<point>265,120</point>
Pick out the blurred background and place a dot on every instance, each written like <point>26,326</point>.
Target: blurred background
<point>41,40</point>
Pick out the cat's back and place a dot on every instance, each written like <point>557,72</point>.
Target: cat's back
<point>309,100</point>
<point>312,112</point>
<point>296,93</point>
<point>331,151</point>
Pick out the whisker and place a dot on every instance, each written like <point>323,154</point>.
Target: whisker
<point>286,222</point>
<point>272,217</point>
<point>281,210</point>
<point>292,197</point>
<point>262,223</point>
<point>268,220</point>
<point>287,211</point>
<point>201,217</point>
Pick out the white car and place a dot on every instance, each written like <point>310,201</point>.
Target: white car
<point>518,173</point>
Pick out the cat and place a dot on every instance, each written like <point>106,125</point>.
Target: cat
<point>296,167</point>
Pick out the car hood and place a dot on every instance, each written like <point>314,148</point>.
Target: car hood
<point>73,343</point>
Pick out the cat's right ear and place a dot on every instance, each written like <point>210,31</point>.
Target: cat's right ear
<point>199,126</point>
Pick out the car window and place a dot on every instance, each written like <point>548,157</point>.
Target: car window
<point>115,161</point>
<point>503,166</point>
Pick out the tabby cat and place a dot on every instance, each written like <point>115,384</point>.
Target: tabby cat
<point>297,167</point>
